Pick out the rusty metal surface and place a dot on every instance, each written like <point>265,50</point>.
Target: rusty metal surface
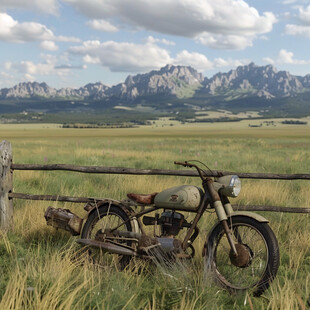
<point>243,257</point>
<point>63,219</point>
<point>146,241</point>
<point>184,197</point>
<point>229,238</point>
<point>89,207</point>
<point>107,246</point>
<point>118,237</point>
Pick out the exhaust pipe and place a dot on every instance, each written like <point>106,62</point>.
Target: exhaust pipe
<point>157,246</point>
<point>63,219</point>
<point>112,248</point>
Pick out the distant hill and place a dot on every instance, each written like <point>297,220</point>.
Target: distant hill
<point>247,87</point>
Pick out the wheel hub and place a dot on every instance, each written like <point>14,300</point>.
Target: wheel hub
<point>243,258</point>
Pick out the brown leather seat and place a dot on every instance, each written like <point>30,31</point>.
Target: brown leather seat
<point>146,199</point>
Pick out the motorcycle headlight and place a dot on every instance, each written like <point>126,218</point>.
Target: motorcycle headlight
<point>232,185</point>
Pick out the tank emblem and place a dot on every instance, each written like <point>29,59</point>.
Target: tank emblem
<point>174,198</point>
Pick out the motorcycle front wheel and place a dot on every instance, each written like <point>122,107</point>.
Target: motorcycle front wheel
<point>105,218</point>
<point>258,255</point>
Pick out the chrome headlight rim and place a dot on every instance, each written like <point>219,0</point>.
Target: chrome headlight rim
<point>230,185</point>
<point>235,182</point>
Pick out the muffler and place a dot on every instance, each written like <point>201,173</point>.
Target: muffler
<point>106,246</point>
<point>158,246</point>
<point>63,219</point>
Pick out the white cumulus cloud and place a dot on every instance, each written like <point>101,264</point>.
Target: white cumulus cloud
<point>29,70</point>
<point>49,45</point>
<point>134,58</point>
<point>195,60</point>
<point>304,15</point>
<point>303,27</point>
<point>194,19</point>
<point>102,25</point>
<point>219,41</point>
<point>152,40</point>
<point>47,6</point>
<point>297,30</point>
<point>231,63</point>
<point>13,31</point>
<point>124,56</point>
<point>66,39</point>
<point>286,57</point>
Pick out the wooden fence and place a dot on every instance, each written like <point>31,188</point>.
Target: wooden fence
<point>6,183</point>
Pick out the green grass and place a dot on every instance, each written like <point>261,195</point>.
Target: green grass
<point>42,268</point>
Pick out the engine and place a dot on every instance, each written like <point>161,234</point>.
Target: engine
<point>170,223</point>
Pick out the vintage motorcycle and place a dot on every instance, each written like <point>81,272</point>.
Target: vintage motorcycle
<point>241,250</point>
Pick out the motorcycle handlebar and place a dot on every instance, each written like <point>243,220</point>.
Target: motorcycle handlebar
<point>185,164</point>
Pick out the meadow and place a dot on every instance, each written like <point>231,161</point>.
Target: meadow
<point>42,268</point>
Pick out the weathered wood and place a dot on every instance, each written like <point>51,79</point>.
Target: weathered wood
<point>92,199</point>
<point>6,186</point>
<point>272,209</point>
<point>54,198</point>
<point>132,171</point>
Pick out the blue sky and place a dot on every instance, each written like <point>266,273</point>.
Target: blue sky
<point>69,43</point>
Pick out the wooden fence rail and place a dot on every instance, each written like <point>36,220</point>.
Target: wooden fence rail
<point>132,171</point>
<point>7,194</point>
<point>93,199</point>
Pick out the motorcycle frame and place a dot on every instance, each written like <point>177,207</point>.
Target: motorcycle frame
<point>211,200</point>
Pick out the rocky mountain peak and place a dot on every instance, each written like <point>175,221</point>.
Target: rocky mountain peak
<point>263,81</point>
<point>30,89</point>
<point>167,80</point>
<point>249,80</point>
<point>129,80</point>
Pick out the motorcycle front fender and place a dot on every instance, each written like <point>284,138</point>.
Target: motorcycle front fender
<point>253,215</point>
<point>249,214</point>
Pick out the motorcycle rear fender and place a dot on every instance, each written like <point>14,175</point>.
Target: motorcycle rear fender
<point>252,215</point>
<point>90,208</point>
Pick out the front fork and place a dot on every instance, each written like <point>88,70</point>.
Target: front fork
<point>221,212</point>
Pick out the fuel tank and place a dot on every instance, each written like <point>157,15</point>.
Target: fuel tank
<point>180,197</point>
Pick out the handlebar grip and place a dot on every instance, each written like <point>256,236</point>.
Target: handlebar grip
<point>184,164</point>
<point>180,163</point>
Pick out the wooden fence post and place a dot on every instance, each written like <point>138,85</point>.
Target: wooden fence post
<point>6,186</point>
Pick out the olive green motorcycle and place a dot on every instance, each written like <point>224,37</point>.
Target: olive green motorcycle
<point>241,250</point>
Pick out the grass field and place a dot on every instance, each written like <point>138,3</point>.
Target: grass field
<point>42,268</point>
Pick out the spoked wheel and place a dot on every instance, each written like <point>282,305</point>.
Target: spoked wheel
<point>102,220</point>
<point>258,255</point>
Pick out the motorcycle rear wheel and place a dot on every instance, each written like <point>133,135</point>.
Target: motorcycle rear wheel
<point>102,218</point>
<point>259,245</point>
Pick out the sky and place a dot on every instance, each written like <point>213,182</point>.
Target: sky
<point>69,43</point>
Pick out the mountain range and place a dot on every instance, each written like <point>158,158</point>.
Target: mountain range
<point>264,81</point>
<point>246,87</point>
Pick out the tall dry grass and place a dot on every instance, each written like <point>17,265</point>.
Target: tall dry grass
<point>42,268</point>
